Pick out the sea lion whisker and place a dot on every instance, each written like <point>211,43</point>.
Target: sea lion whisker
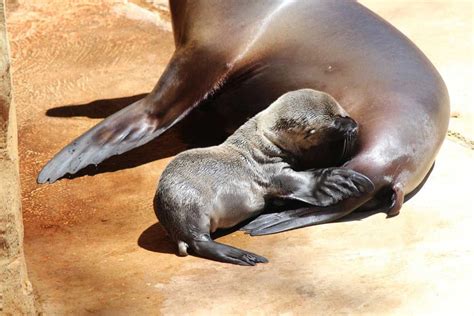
<point>344,149</point>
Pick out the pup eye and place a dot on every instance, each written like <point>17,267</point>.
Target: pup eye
<point>311,131</point>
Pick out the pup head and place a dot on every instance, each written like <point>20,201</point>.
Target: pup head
<point>305,118</point>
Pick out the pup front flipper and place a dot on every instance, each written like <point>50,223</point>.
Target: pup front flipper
<point>322,187</point>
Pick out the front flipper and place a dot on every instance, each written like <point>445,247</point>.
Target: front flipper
<point>278,222</point>
<point>129,128</point>
<point>185,83</point>
<point>322,187</point>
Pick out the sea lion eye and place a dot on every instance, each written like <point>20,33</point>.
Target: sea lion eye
<point>310,132</point>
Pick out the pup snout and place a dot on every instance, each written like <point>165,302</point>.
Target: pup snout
<point>346,125</point>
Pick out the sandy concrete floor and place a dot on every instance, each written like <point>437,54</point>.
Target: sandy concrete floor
<point>92,243</point>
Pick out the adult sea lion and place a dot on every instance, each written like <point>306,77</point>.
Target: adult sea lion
<point>239,58</point>
<point>204,189</point>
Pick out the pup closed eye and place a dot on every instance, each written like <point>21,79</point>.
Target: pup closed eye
<point>310,132</point>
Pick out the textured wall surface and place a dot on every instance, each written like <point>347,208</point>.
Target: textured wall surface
<point>16,296</point>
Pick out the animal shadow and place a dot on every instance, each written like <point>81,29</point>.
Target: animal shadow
<point>155,239</point>
<point>95,109</point>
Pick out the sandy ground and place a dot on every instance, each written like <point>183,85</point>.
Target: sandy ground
<point>93,245</point>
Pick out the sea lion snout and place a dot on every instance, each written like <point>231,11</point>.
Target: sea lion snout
<point>345,125</point>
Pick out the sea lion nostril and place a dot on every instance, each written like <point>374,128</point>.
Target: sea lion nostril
<point>352,127</point>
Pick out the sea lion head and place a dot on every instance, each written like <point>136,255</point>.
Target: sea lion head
<point>305,118</point>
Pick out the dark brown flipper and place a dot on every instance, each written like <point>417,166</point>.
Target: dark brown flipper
<point>120,132</point>
<point>183,85</point>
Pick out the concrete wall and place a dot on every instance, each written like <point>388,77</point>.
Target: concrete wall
<point>16,297</point>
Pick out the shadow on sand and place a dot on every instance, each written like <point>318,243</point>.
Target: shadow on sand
<point>155,239</point>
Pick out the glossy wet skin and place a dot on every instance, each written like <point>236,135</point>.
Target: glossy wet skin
<point>235,60</point>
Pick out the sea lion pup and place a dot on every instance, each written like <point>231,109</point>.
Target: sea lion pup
<point>204,189</point>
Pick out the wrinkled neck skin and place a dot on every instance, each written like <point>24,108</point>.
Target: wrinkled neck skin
<point>252,140</point>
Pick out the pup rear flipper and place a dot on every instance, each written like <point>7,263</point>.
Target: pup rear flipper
<point>216,251</point>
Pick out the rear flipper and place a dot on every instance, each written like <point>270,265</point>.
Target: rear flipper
<point>287,220</point>
<point>216,251</point>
